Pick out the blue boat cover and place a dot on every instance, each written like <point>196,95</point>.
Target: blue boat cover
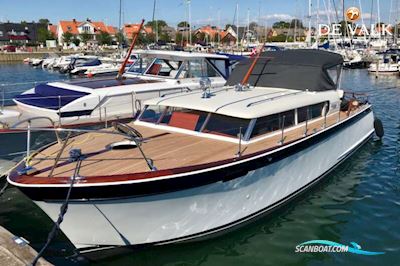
<point>47,96</point>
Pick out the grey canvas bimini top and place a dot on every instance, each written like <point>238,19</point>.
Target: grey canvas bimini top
<point>303,69</point>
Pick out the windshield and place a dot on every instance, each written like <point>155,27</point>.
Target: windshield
<point>140,65</point>
<point>164,68</point>
<point>195,120</point>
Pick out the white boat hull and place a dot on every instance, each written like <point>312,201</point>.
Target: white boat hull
<point>199,211</point>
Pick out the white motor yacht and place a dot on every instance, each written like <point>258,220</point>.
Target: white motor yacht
<point>200,162</point>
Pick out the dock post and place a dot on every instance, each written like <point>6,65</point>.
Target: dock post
<point>377,69</point>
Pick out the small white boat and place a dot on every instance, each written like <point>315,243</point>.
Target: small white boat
<point>388,65</point>
<point>36,62</point>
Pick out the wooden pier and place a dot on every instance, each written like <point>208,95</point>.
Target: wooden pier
<point>12,253</point>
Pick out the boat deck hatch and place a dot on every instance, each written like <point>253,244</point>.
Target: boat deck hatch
<point>122,145</point>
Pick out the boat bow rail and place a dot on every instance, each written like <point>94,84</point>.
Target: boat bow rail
<point>120,130</point>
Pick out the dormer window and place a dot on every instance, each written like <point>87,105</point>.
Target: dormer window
<point>69,28</point>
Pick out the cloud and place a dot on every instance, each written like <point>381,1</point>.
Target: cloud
<point>278,17</point>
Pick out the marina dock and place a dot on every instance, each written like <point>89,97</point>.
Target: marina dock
<point>15,251</point>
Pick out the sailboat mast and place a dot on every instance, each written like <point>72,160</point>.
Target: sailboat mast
<point>237,25</point>
<point>248,27</point>
<point>190,21</point>
<point>309,22</point>
<point>155,26</point>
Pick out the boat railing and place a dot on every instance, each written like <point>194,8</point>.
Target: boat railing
<point>120,130</point>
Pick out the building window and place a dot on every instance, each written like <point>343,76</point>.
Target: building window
<point>1,34</point>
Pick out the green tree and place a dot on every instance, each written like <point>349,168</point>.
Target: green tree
<point>178,38</point>
<point>104,38</point>
<point>253,26</point>
<point>164,37</point>
<point>76,41</point>
<point>160,24</point>
<point>44,21</point>
<point>67,37</point>
<point>279,38</point>
<point>344,29</point>
<point>144,39</point>
<point>228,25</point>
<point>183,24</point>
<point>120,37</point>
<point>281,25</point>
<point>85,37</point>
<point>296,23</point>
<point>44,34</point>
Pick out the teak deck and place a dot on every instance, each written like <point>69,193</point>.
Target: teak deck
<point>167,150</point>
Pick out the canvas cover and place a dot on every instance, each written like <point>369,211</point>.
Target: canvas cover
<point>303,69</point>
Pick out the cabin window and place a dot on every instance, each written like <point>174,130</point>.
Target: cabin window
<point>152,113</point>
<point>184,118</point>
<point>272,123</point>
<point>200,68</point>
<point>165,68</point>
<point>334,73</point>
<point>220,64</point>
<point>314,111</point>
<point>139,66</point>
<point>226,125</point>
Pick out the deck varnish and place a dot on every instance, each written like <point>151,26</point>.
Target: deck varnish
<point>168,150</point>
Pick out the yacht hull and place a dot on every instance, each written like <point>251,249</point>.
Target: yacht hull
<point>186,214</point>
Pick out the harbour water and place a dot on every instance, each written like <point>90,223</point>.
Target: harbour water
<point>358,202</point>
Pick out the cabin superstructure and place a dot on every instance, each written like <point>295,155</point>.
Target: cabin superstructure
<point>285,90</point>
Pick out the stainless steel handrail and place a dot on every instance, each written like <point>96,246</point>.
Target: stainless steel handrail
<point>273,98</point>
<point>137,141</point>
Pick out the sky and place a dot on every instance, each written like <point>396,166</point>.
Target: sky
<point>203,12</point>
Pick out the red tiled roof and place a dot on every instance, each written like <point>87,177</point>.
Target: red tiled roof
<point>72,27</point>
<point>99,26</point>
<point>53,29</point>
<point>130,29</point>
<point>208,30</point>
<point>112,30</point>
